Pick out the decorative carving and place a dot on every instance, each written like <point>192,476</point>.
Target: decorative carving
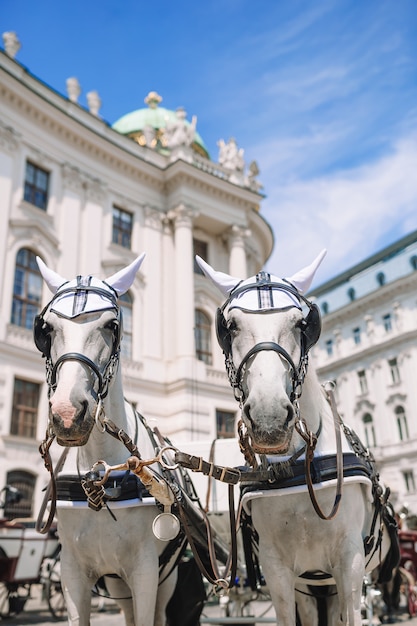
<point>153,218</point>
<point>94,102</point>
<point>396,398</point>
<point>182,215</point>
<point>95,189</point>
<point>72,177</point>
<point>9,138</point>
<point>11,44</point>
<point>230,156</point>
<point>153,99</point>
<point>73,89</point>
<point>238,234</point>
<point>179,133</point>
<point>253,172</point>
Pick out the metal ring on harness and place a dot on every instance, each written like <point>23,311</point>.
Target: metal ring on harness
<point>164,464</point>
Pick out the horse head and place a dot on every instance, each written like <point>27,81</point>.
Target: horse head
<point>79,333</point>
<point>265,338</point>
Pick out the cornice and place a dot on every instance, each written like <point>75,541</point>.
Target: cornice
<point>181,173</point>
<point>108,147</point>
<point>395,342</point>
<point>400,287</point>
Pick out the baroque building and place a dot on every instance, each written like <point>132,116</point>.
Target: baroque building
<point>368,348</point>
<point>88,197</point>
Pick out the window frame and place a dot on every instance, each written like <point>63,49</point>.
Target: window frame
<point>24,418</point>
<point>225,424</point>
<point>122,235</point>
<point>24,308</point>
<point>200,248</point>
<point>202,337</point>
<point>33,193</point>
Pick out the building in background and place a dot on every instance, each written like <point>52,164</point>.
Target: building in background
<point>88,198</point>
<point>368,347</point>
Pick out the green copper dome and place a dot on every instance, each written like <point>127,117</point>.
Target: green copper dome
<point>147,126</point>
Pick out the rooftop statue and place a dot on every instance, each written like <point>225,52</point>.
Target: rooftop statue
<point>230,156</point>
<point>179,132</point>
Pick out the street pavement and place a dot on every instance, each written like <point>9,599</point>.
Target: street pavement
<point>106,613</point>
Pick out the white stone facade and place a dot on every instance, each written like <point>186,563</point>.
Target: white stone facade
<point>368,347</point>
<point>91,169</point>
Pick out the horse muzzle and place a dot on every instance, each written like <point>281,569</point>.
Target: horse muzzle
<point>72,428</point>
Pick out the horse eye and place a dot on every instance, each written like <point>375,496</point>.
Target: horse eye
<point>232,326</point>
<point>301,324</point>
<point>112,325</point>
<point>46,328</point>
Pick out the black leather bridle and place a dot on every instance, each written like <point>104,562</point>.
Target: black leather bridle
<point>310,333</point>
<point>43,342</point>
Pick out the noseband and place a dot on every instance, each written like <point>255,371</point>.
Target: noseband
<point>310,332</point>
<point>43,343</point>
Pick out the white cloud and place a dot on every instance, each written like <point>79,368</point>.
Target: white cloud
<point>350,213</point>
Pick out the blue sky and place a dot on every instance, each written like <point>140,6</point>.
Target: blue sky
<point>321,93</point>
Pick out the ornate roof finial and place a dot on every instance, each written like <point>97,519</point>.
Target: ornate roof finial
<point>153,99</point>
<point>11,43</point>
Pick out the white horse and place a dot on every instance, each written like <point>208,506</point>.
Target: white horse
<point>285,411</point>
<point>79,334</point>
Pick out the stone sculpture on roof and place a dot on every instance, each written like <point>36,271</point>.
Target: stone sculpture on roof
<point>230,156</point>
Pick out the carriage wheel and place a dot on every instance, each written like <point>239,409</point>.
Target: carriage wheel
<point>13,598</point>
<point>54,593</point>
<point>412,601</point>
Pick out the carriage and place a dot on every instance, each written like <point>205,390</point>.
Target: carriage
<point>28,558</point>
<point>408,569</point>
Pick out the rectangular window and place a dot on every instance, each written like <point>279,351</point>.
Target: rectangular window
<point>122,227</point>
<point>395,371</point>
<point>357,336</point>
<point>36,186</point>
<point>329,347</point>
<point>363,383</point>
<point>25,408</point>
<point>225,424</point>
<point>409,481</point>
<point>200,248</point>
<point>387,321</point>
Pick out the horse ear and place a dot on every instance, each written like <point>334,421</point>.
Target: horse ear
<point>303,278</point>
<point>52,279</point>
<point>123,279</point>
<point>223,281</point>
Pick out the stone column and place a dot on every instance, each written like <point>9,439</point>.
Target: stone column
<point>182,217</point>
<point>237,261</point>
<point>92,227</point>
<point>168,289</point>
<point>152,313</point>
<point>70,220</point>
<point>9,142</point>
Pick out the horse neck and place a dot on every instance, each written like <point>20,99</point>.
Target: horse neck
<point>101,445</point>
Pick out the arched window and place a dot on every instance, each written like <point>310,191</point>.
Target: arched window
<point>19,483</point>
<point>325,307</point>
<point>27,289</point>
<point>380,277</point>
<point>126,305</point>
<point>368,426</point>
<point>351,293</point>
<point>413,262</point>
<point>203,337</point>
<point>401,422</point>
